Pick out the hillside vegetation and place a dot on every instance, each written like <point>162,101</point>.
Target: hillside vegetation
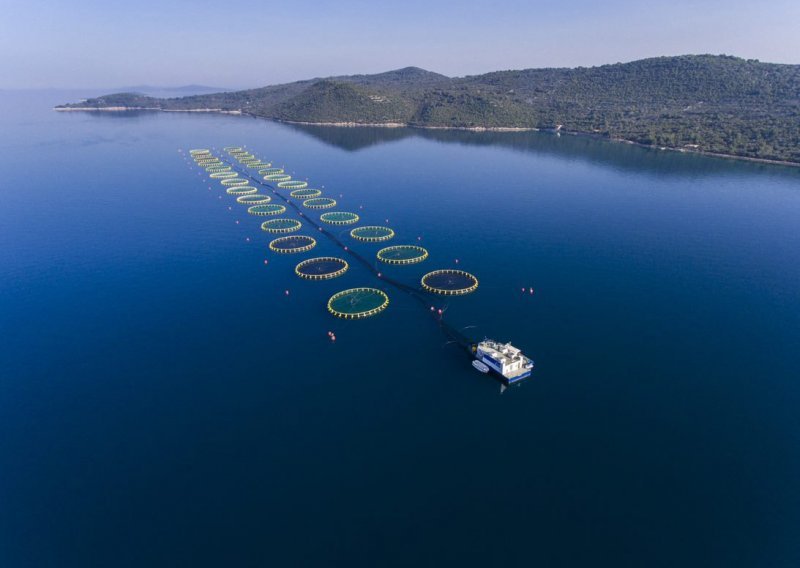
<point>707,103</point>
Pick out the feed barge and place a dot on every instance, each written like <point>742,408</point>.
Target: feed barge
<point>504,359</point>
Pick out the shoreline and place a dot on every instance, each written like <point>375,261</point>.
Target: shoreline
<point>126,109</point>
<point>463,128</point>
<point>405,125</point>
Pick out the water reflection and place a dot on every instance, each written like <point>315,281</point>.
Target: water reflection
<point>596,151</point>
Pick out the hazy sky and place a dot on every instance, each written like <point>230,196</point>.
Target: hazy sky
<point>236,43</point>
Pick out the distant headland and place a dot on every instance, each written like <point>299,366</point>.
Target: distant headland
<point>713,104</point>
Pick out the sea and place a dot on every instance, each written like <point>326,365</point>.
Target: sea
<point>170,394</point>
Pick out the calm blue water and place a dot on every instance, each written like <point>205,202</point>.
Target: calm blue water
<point>163,403</point>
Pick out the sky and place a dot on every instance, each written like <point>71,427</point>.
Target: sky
<point>244,43</point>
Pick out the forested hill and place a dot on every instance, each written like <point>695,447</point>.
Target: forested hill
<point>708,103</point>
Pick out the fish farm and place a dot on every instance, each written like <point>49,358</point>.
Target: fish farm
<point>266,210</point>
<point>294,184</point>
<point>339,218</point>
<point>449,282</point>
<point>241,190</point>
<point>305,193</point>
<point>353,303</point>
<point>281,225</point>
<point>358,303</point>
<point>402,254</point>
<point>319,203</point>
<point>323,268</point>
<point>253,199</point>
<point>371,234</point>
<point>293,244</point>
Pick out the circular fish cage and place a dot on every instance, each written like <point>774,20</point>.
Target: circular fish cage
<point>402,254</point>
<point>372,234</point>
<point>209,162</point>
<point>199,151</point>
<point>218,169</point>
<point>277,177</point>
<point>266,210</point>
<point>319,203</point>
<point>295,184</point>
<point>253,199</point>
<point>358,303</point>
<point>241,190</point>
<point>323,268</point>
<point>339,218</point>
<point>305,193</point>
<point>292,244</point>
<point>277,226</point>
<point>231,182</point>
<point>270,171</point>
<point>223,175</point>
<point>231,149</point>
<point>259,164</point>
<point>449,282</point>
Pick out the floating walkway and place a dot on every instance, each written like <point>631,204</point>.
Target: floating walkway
<point>322,268</point>
<point>372,234</point>
<point>358,303</point>
<point>267,210</point>
<point>449,282</point>
<point>402,254</point>
<point>339,218</point>
<point>293,244</point>
<point>281,225</point>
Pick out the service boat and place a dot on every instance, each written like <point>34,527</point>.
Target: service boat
<point>504,359</point>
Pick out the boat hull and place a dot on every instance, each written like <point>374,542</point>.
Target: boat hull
<point>493,365</point>
<point>524,375</point>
